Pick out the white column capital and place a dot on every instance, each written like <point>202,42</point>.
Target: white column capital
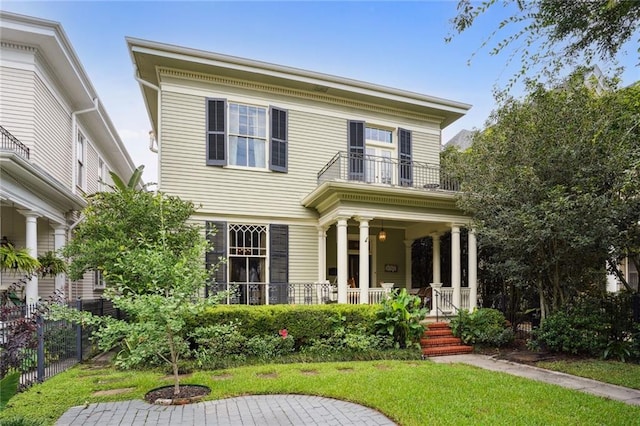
<point>29,213</point>
<point>363,219</point>
<point>342,220</point>
<point>408,243</point>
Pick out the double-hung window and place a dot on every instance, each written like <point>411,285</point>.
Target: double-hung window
<point>246,135</point>
<point>81,143</point>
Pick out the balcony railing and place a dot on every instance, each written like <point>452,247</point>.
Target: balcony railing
<point>290,293</point>
<point>386,171</point>
<point>11,143</point>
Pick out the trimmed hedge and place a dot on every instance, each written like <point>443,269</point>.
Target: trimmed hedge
<point>302,322</point>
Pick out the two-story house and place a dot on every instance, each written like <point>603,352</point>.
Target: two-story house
<point>317,185</point>
<point>57,145</point>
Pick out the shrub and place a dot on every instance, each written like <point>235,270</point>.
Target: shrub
<point>483,326</point>
<point>218,344</point>
<point>399,317</point>
<point>595,325</point>
<point>304,323</point>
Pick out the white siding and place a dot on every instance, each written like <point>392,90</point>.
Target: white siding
<point>92,170</point>
<point>17,104</point>
<point>53,135</point>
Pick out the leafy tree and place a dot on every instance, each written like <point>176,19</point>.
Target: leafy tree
<point>548,183</point>
<point>123,220</point>
<point>554,34</point>
<point>153,262</point>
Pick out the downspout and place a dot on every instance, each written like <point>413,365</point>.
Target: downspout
<point>74,135</point>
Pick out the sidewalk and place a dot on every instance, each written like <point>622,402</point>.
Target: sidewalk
<point>618,393</point>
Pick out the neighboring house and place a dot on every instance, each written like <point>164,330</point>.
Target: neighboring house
<point>308,178</point>
<point>461,140</point>
<point>57,145</point>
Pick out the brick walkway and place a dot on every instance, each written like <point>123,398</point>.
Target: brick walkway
<point>262,410</point>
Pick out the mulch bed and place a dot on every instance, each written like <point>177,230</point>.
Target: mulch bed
<point>188,394</point>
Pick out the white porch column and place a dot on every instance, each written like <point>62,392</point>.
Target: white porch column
<point>435,258</point>
<point>364,259</point>
<point>407,263</point>
<point>455,265</point>
<point>322,254</point>
<point>473,270</point>
<point>32,247</point>
<point>59,239</point>
<point>343,261</point>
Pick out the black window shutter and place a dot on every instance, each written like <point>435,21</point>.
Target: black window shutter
<point>405,163</point>
<point>355,141</point>
<point>279,143</point>
<point>278,263</point>
<point>216,132</point>
<point>216,252</point>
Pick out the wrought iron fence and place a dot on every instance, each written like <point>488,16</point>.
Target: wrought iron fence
<point>387,171</point>
<point>11,143</point>
<point>276,293</point>
<point>289,293</point>
<point>57,346</point>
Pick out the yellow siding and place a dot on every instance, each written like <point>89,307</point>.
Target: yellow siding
<point>313,140</point>
<point>303,254</point>
<point>17,104</point>
<point>426,147</point>
<point>53,150</point>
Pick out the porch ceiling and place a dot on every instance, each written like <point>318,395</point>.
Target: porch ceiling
<point>31,187</point>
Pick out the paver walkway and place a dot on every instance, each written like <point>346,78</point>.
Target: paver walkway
<point>262,410</point>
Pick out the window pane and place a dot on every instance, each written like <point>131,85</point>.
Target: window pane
<point>238,269</point>
<point>256,153</point>
<point>233,118</point>
<point>237,151</point>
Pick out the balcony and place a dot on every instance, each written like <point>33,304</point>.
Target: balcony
<point>8,142</point>
<point>370,169</point>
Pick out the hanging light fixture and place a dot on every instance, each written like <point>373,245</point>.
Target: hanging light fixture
<point>382,236</point>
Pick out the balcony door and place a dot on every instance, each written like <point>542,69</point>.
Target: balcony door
<point>379,166</point>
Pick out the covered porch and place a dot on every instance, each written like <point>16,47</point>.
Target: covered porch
<point>366,233</point>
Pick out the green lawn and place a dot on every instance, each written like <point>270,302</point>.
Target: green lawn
<point>617,373</point>
<point>409,392</point>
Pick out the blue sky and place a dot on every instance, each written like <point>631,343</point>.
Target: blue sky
<point>396,44</point>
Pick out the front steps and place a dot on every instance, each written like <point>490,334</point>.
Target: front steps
<point>438,340</point>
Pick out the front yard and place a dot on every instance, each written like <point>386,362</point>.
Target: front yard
<point>409,392</point>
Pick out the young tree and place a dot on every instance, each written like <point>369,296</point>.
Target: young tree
<point>153,263</point>
<point>548,184</point>
<point>554,34</point>
<point>125,219</point>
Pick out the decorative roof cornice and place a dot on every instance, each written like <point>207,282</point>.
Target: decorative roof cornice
<point>301,94</point>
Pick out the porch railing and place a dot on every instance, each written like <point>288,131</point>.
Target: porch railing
<point>373,169</point>
<point>11,143</point>
<point>444,304</point>
<point>289,293</point>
